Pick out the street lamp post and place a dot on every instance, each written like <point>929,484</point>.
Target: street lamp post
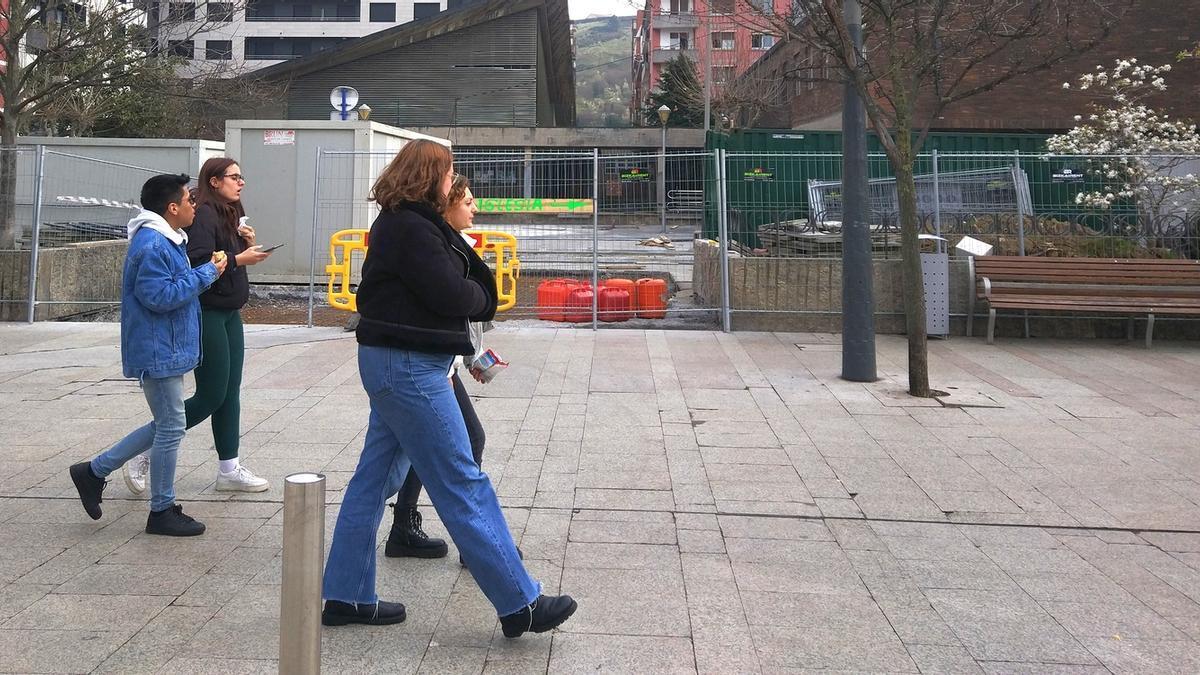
<point>664,112</point>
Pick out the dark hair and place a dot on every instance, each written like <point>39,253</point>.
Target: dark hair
<point>229,212</point>
<point>163,190</point>
<point>458,190</point>
<point>414,175</point>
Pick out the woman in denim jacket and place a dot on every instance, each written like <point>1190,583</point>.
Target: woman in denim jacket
<point>160,342</point>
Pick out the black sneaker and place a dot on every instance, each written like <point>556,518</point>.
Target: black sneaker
<point>408,540</point>
<point>379,614</point>
<point>173,522</point>
<point>546,613</point>
<point>90,487</point>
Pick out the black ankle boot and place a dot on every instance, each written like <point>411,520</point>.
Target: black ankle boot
<point>408,540</point>
<point>546,613</point>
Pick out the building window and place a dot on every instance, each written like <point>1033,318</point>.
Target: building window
<point>181,11</point>
<point>314,10</point>
<point>383,12</point>
<point>282,48</point>
<point>722,6</point>
<point>766,7</point>
<point>218,50</point>
<point>722,40</point>
<point>422,10</point>
<point>761,41</point>
<point>724,74</point>
<point>220,11</point>
<point>679,41</point>
<point>184,49</point>
<point>678,6</point>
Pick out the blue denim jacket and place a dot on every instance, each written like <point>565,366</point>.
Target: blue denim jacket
<point>160,306</point>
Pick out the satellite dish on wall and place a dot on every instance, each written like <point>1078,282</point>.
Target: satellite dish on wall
<point>343,99</point>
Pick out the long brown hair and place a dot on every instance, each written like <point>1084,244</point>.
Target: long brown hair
<point>229,212</point>
<point>414,175</point>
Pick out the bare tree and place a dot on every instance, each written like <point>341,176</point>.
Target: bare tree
<point>923,56</point>
<point>64,56</point>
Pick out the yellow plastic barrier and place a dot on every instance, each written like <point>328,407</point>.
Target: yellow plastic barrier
<point>507,266</point>
<point>344,243</point>
<point>347,242</point>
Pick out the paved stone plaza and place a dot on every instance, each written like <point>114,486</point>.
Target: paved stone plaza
<point>716,503</point>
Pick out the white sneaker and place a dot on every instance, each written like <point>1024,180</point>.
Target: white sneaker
<point>241,480</point>
<point>136,471</point>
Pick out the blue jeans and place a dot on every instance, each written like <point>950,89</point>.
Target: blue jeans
<point>161,437</point>
<point>415,419</point>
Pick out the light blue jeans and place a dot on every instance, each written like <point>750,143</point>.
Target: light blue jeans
<point>161,437</point>
<point>415,420</point>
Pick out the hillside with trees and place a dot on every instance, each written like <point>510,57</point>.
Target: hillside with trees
<point>602,71</point>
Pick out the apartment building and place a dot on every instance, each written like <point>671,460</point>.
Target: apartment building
<point>727,35</point>
<point>240,36</point>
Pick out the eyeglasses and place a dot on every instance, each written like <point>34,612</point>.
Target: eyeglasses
<point>237,177</point>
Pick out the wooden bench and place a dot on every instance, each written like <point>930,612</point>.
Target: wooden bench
<point>1101,285</point>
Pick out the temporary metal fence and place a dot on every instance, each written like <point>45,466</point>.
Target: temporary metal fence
<point>72,213</point>
<point>729,234</point>
<point>587,216</point>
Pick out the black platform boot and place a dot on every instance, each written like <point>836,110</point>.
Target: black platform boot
<point>408,540</point>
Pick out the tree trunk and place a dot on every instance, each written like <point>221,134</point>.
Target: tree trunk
<point>914,291</point>
<point>8,184</point>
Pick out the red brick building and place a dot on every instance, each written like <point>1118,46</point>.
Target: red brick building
<point>729,34</point>
<point>1153,31</point>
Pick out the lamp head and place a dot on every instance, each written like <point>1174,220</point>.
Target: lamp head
<point>663,113</point>
<point>364,112</point>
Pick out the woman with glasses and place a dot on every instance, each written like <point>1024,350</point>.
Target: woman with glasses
<point>421,287</point>
<point>218,226</point>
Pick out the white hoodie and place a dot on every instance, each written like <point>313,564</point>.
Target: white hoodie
<point>152,221</point>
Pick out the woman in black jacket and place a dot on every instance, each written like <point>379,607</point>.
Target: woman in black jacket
<point>219,226</point>
<point>421,286</point>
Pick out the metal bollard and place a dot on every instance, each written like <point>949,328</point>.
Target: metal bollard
<point>303,564</point>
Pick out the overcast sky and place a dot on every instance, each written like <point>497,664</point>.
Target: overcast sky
<point>581,9</point>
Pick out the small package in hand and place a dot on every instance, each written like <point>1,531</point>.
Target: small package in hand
<point>488,365</point>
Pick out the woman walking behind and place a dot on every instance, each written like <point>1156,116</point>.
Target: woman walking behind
<point>407,539</point>
<point>421,286</point>
<point>218,227</point>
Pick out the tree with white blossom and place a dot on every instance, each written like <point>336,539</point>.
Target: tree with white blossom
<point>1139,153</point>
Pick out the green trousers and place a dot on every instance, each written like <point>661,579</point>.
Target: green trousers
<point>219,379</point>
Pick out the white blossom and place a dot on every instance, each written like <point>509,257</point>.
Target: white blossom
<point>1127,135</point>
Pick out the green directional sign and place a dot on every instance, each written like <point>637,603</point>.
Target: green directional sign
<point>533,205</point>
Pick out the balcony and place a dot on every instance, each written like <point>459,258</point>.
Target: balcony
<point>669,20</point>
<point>662,55</point>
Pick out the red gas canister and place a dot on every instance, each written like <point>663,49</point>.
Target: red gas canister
<point>552,299</point>
<point>614,304</point>
<point>651,298</point>
<point>628,286</point>
<point>579,304</point>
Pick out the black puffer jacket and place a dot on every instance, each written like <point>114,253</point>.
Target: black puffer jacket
<point>421,284</point>
<point>231,290</point>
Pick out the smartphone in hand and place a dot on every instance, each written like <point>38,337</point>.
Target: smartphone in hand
<point>268,249</point>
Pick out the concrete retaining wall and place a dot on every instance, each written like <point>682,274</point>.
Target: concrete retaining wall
<point>89,271</point>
